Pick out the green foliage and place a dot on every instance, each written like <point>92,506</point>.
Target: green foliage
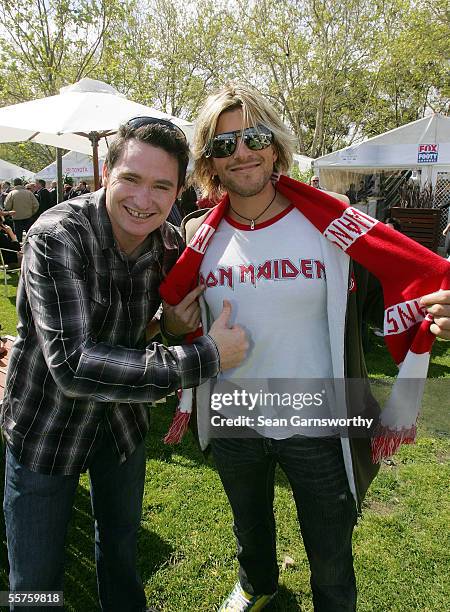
<point>336,72</point>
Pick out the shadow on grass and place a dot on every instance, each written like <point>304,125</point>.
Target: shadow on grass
<point>285,601</point>
<point>380,363</point>
<point>80,586</point>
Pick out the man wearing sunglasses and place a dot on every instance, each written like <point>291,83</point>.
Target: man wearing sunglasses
<point>262,254</point>
<point>82,373</point>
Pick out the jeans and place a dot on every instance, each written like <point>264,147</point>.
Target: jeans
<point>325,508</point>
<point>37,510</point>
<point>22,226</point>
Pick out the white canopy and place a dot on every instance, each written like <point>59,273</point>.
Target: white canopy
<point>423,145</point>
<point>65,120</point>
<point>76,165</point>
<point>10,171</point>
<point>422,142</point>
<point>303,162</point>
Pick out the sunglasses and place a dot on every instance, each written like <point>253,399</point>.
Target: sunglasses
<point>254,138</point>
<point>137,122</point>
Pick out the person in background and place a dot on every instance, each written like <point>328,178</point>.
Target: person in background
<point>25,204</point>
<point>8,241</point>
<point>68,192</point>
<point>314,182</point>
<point>6,188</point>
<point>81,189</point>
<point>43,196</point>
<point>53,191</point>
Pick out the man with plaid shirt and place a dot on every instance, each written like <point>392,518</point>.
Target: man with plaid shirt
<point>81,372</point>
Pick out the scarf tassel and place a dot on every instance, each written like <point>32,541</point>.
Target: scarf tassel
<point>387,441</point>
<point>180,422</point>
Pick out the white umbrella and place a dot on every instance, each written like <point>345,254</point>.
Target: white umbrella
<point>74,164</point>
<point>10,171</point>
<point>76,119</point>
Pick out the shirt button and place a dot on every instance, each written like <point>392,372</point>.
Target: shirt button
<point>104,300</point>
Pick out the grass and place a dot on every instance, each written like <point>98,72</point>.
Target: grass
<point>186,547</point>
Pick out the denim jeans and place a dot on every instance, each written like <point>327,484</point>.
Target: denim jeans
<point>325,508</point>
<point>37,510</point>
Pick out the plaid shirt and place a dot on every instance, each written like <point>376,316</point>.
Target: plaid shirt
<point>80,363</point>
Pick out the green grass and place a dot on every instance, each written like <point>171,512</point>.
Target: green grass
<point>186,547</point>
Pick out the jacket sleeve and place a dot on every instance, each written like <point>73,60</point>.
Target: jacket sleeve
<point>59,298</point>
<point>34,203</point>
<point>8,205</point>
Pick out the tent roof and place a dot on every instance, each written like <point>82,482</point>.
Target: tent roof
<point>11,171</point>
<point>303,161</point>
<point>397,147</point>
<point>75,164</point>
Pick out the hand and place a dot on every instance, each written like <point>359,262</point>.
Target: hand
<point>8,229</point>
<point>231,342</point>
<point>183,318</point>
<point>438,304</point>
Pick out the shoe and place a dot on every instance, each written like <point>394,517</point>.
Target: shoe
<point>240,601</point>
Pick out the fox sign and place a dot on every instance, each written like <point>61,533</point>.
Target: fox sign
<point>427,153</point>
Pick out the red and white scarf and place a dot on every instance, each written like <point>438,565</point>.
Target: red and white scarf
<point>405,269</point>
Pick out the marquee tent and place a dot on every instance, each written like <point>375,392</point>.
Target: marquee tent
<point>77,165</point>
<point>303,162</point>
<point>10,171</point>
<point>422,146</point>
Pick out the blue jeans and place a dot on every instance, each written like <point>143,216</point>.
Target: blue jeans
<point>325,508</point>
<point>37,510</point>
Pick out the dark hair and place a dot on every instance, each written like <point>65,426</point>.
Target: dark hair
<point>18,181</point>
<point>157,135</point>
<point>41,182</point>
<point>394,222</point>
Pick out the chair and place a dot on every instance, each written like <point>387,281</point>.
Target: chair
<point>8,268</point>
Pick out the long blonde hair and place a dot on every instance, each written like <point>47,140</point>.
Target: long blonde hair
<point>255,110</point>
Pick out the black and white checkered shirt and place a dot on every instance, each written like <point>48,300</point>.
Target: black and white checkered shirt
<point>81,363</point>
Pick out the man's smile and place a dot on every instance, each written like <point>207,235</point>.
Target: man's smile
<point>138,214</point>
<point>245,167</point>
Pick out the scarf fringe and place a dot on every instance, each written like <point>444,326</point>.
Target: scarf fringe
<point>178,428</point>
<point>387,441</point>
<point>180,421</point>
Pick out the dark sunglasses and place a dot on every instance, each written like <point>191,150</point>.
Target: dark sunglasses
<point>137,122</point>
<point>254,138</point>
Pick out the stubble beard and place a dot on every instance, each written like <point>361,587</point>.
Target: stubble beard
<point>235,186</point>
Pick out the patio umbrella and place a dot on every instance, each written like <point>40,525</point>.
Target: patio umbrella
<point>10,171</point>
<point>78,118</point>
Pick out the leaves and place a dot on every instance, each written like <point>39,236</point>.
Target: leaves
<point>336,72</point>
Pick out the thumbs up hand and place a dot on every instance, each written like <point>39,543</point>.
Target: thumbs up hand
<point>231,341</point>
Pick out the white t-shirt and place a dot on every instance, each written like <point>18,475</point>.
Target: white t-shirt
<point>275,279</point>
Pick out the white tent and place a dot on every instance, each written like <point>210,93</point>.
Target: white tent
<point>303,162</point>
<point>77,165</point>
<point>422,146</point>
<point>10,171</point>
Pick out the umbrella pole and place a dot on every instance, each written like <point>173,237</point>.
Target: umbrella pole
<point>59,176</point>
<point>93,137</point>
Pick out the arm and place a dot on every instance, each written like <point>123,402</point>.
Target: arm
<point>8,205</point>
<point>34,203</point>
<point>59,297</point>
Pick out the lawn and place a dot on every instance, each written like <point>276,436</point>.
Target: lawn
<point>186,547</point>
